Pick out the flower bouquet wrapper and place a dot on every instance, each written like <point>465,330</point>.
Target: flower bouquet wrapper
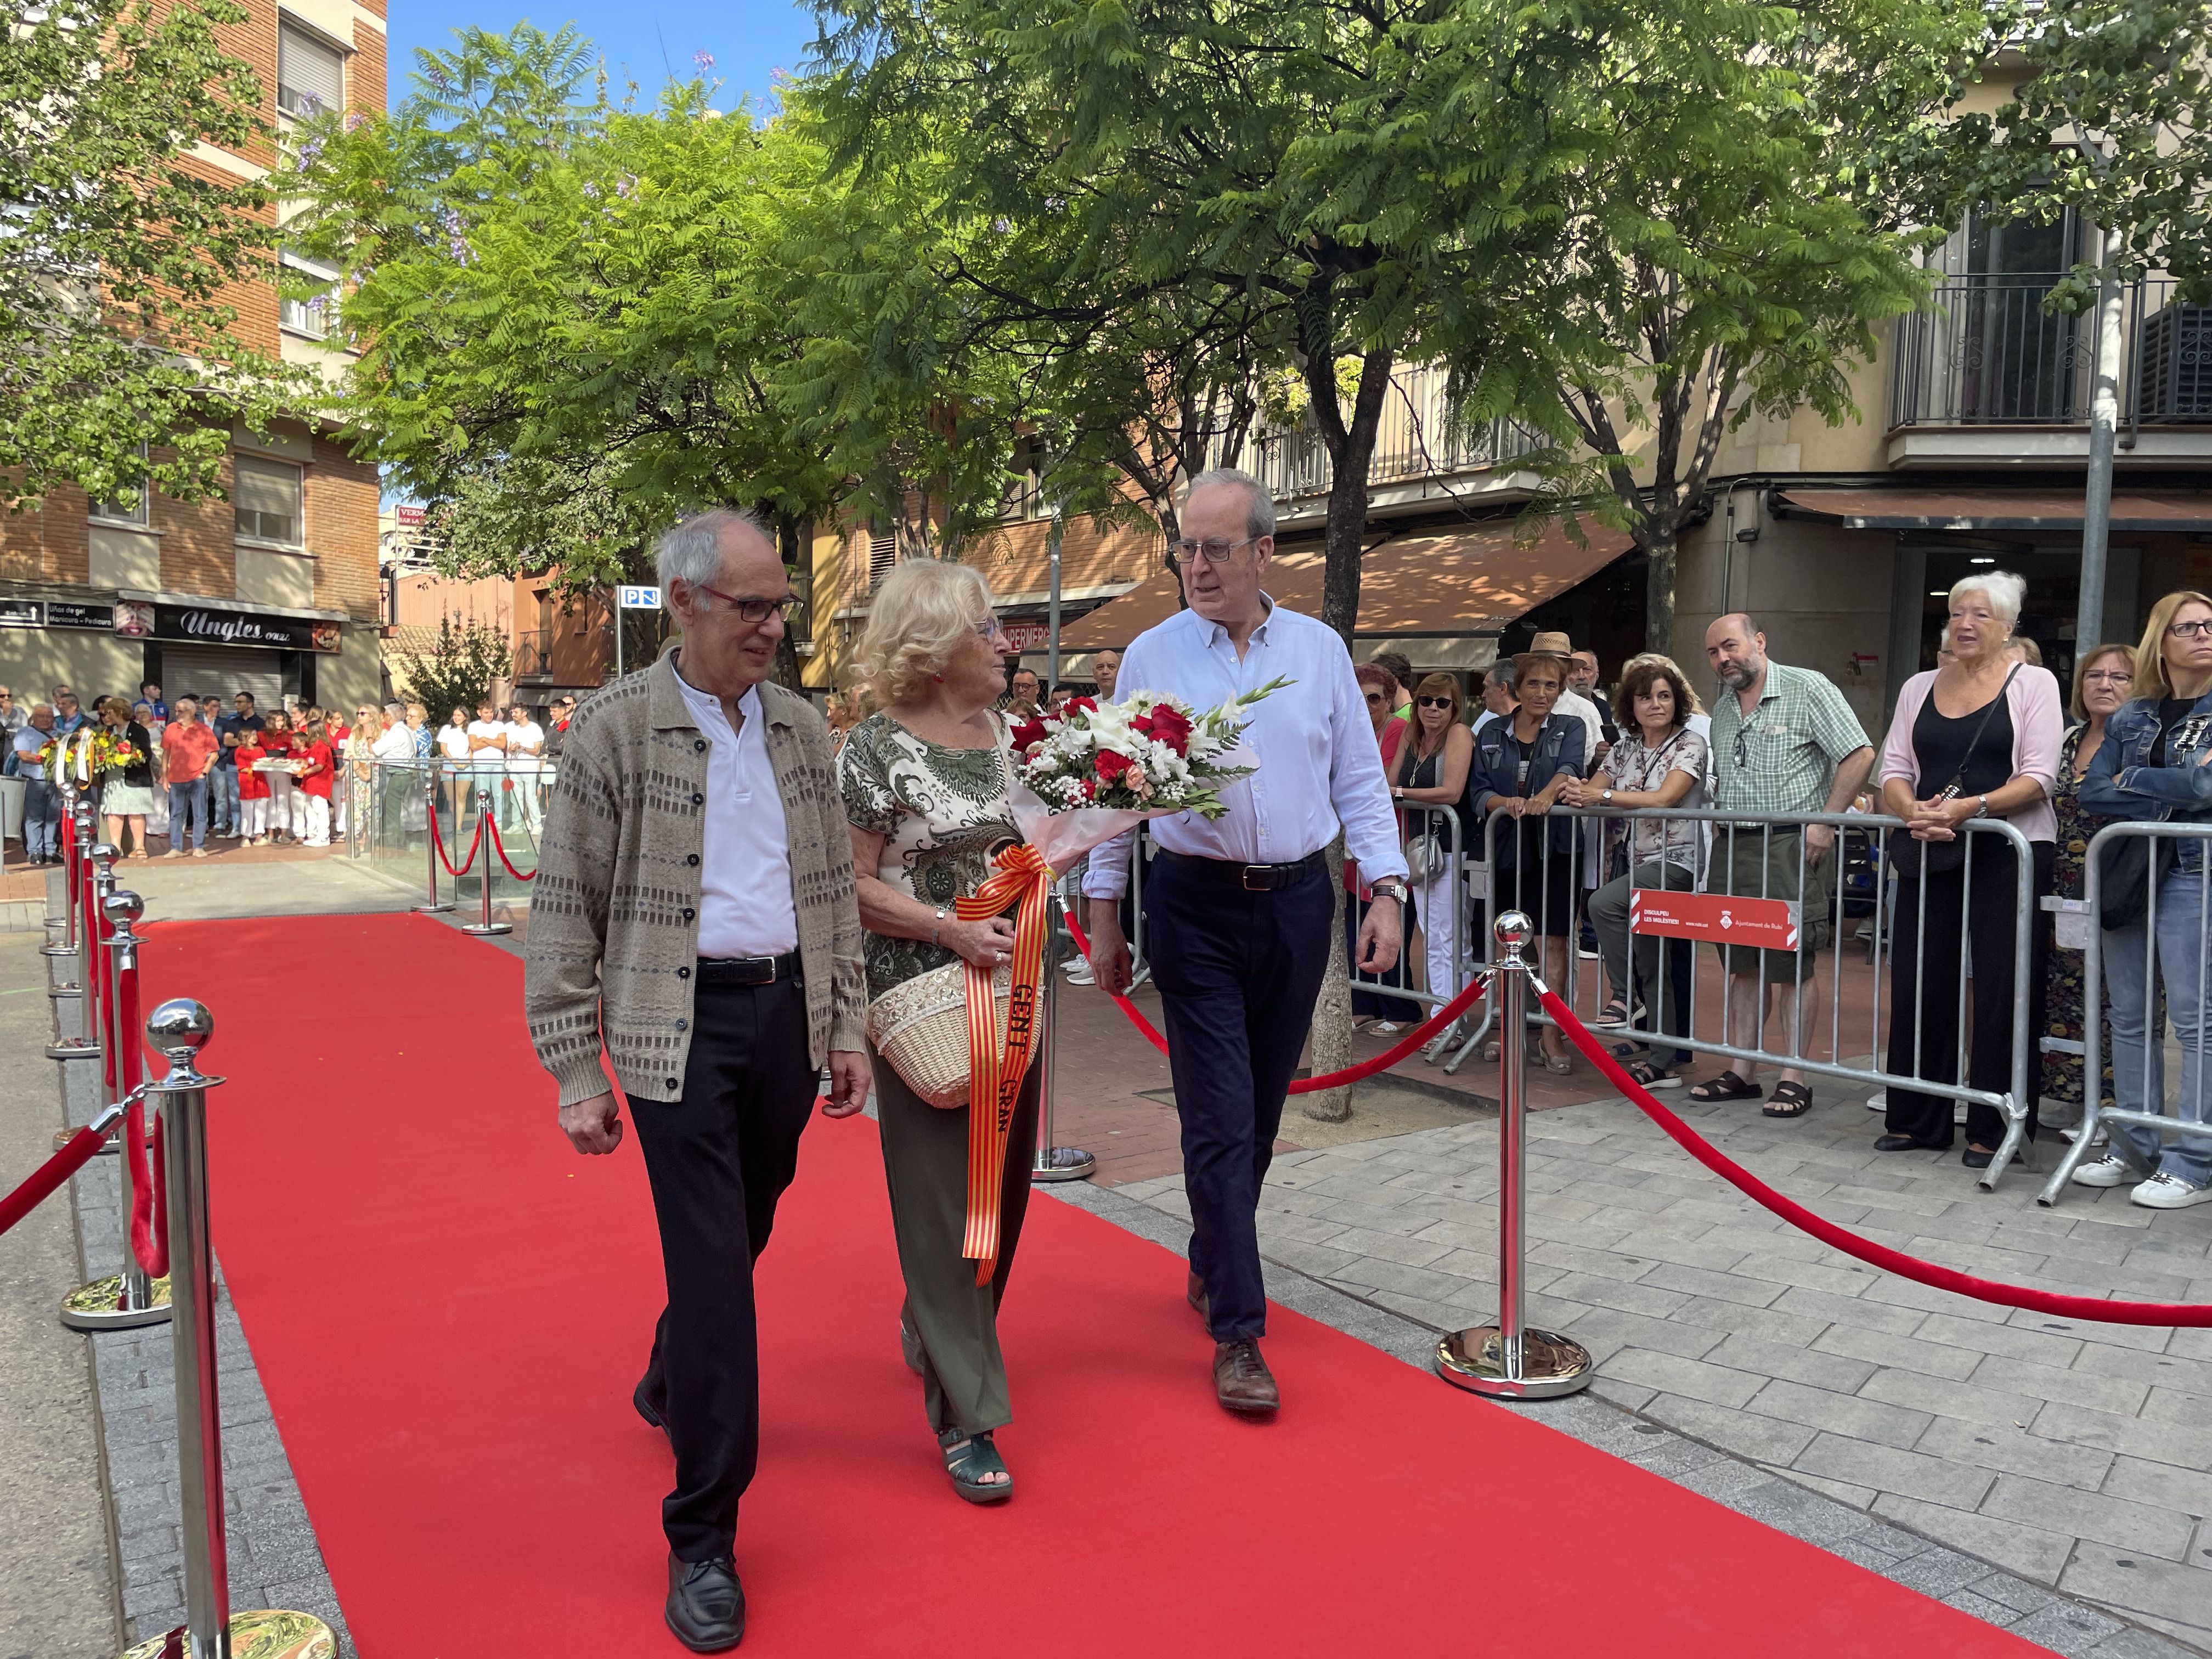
<point>1063,835</point>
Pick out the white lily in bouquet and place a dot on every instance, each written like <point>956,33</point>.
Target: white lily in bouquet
<point>1092,771</point>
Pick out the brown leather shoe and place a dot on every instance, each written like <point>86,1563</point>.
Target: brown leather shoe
<point>1200,1304</point>
<point>1242,1381</point>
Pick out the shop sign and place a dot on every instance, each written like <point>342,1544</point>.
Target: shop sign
<point>68,613</point>
<point>205,626</point>
<point>21,613</point>
<point>1025,636</point>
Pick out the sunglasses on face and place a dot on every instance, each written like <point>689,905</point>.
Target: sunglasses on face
<point>1374,696</point>
<point>1434,702</point>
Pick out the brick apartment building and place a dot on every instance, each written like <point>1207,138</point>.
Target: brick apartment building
<point>276,589</point>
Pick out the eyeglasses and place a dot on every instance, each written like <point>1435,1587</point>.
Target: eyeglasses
<point>1215,552</point>
<point>2111,675</point>
<point>1434,702</point>
<point>989,628</point>
<point>751,611</point>
<point>2189,630</point>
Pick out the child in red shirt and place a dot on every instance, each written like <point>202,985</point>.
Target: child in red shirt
<point>253,790</point>
<point>285,815</point>
<point>316,771</point>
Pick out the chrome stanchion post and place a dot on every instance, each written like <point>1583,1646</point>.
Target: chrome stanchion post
<point>86,1045</point>
<point>130,1298</point>
<point>179,1029</point>
<point>485,832</point>
<point>103,1007</point>
<point>430,822</point>
<point>1507,1361</point>
<point>1054,1163</point>
<point>67,943</point>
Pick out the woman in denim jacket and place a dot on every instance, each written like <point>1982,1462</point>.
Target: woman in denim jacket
<point>2156,763</point>
<point>1522,761</point>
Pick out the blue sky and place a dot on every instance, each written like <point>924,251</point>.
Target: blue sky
<point>749,39</point>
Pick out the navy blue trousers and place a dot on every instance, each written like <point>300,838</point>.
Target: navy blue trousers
<point>1237,974</point>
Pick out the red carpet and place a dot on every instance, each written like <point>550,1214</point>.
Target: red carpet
<point>448,1308</point>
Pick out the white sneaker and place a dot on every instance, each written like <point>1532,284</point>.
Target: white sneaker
<point>2108,1171</point>
<point>2102,1138</point>
<point>1385,1028</point>
<point>1078,972</point>
<point>2166,1191</point>
<point>1878,1101</point>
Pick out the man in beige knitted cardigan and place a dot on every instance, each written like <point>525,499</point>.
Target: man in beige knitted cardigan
<point>694,917</point>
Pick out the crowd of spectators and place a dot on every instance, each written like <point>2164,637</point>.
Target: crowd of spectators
<point>197,768</point>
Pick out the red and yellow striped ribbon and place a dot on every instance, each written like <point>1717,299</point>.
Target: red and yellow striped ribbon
<point>996,1074</point>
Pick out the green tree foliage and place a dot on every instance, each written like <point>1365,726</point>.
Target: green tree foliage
<point>1721,189</point>
<point>119,364</point>
<point>458,670</point>
<point>2110,120</point>
<point>1186,187</point>
<point>582,318</point>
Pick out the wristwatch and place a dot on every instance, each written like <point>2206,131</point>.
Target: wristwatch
<point>943,911</point>
<point>1605,797</point>
<point>1388,887</point>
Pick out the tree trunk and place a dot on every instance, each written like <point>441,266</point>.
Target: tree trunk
<point>1659,594</point>
<point>1330,1046</point>
<point>1347,498</point>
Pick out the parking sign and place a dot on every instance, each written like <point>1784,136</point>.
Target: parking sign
<point>636,598</point>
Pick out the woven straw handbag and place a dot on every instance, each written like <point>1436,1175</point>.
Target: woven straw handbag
<point>921,1028</point>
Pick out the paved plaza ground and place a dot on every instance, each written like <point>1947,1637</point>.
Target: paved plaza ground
<point>2051,1476</point>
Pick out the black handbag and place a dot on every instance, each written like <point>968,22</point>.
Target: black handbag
<point>1912,859</point>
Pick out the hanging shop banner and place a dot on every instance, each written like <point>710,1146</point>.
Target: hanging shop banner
<point>207,626</point>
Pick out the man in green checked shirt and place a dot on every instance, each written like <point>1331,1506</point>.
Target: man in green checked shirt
<point>1783,741</point>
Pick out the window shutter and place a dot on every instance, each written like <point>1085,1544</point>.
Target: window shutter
<point>310,75</point>
<point>266,501</point>
<point>882,554</point>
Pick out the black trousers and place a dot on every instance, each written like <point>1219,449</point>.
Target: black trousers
<point>1237,974</point>
<point>1924,989</point>
<point>718,1159</point>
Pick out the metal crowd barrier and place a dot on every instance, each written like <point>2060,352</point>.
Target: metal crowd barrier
<point>1856,875</point>
<point>2183,909</point>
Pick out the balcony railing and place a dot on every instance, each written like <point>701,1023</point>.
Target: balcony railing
<point>533,654</point>
<point>1989,354</point>
<point>1416,439</point>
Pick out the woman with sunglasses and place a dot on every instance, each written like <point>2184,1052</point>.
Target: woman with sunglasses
<point>1432,773</point>
<point>1522,765</point>
<point>2156,763</point>
<point>1375,1013</point>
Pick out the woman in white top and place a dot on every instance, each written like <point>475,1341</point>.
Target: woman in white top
<point>453,755</point>
<point>1658,762</point>
<point>1432,772</point>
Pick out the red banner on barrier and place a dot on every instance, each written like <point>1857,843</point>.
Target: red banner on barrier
<point>1768,924</point>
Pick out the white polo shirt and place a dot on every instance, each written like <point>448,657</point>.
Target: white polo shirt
<point>744,868</point>
<point>491,758</point>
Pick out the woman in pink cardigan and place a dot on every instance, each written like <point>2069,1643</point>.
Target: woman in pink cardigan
<point>1987,728</point>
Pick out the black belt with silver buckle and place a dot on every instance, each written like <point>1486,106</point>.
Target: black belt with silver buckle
<point>1252,878</point>
<point>747,970</point>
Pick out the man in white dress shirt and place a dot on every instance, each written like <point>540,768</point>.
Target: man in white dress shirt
<point>1237,912</point>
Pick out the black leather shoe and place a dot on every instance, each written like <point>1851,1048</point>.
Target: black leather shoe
<point>647,1409</point>
<point>1974,1160</point>
<point>705,1604</point>
<point>1907,1144</point>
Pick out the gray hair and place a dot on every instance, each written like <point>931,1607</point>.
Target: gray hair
<point>1259,505</point>
<point>691,552</point>
<point>1500,673</point>
<point>2005,592</point>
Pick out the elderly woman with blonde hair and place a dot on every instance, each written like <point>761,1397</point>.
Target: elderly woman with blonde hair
<point>926,782</point>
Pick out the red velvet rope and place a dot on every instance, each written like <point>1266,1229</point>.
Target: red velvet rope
<point>500,848</point>
<point>1307,1086</point>
<point>1878,1256</point>
<point>438,843</point>
<point>150,1196</point>
<point>47,1178</point>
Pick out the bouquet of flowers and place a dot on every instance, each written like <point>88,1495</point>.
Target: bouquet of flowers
<point>113,751</point>
<point>1092,771</point>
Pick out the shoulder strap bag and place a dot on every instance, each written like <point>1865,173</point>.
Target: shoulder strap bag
<point>1913,859</point>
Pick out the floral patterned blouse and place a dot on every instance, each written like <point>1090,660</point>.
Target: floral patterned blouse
<point>942,813</point>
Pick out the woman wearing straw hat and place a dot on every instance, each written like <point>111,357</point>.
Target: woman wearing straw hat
<point>926,784</point>
<point>1522,764</point>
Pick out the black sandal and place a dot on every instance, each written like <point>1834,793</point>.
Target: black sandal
<point>1789,1100</point>
<point>1725,1087</point>
<point>1649,1076</point>
<point>968,1459</point>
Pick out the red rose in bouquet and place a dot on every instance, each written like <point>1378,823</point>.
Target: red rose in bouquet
<point>1074,703</point>
<point>1031,731</point>
<point>1111,766</point>
<point>1169,725</point>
